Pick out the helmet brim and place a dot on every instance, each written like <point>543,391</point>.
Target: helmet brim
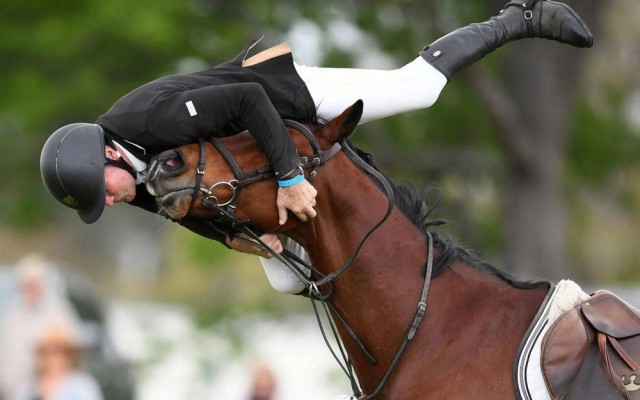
<point>72,167</point>
<point>94,212</point>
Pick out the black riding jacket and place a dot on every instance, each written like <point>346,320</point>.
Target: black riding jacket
<point>221,101</point>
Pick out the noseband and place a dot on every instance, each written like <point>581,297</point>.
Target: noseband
<point>242,179</point>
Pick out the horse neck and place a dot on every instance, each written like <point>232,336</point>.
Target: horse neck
<point>387,275</point>
<point>348,208</point>
<point>378,294</point>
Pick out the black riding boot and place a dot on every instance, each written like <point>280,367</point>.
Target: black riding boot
<point>518,20</point>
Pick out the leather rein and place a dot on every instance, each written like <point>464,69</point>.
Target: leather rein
<point>321,156</point>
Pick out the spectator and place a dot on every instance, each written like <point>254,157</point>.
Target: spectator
<point>35,308</point>
<point>264,383</point>
<point>58,376</point>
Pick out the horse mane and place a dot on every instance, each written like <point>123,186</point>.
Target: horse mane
<point>415,207</point>
<point>413,204</point>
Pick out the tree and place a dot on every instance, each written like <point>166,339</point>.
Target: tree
<point>532,115</point>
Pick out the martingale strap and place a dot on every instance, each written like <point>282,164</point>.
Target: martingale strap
<point>417,319</point>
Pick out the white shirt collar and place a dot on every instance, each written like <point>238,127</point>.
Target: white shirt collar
<point>139,165</point>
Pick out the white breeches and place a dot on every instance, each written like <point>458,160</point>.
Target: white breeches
<point>279,275</point>
<point>415,86</point>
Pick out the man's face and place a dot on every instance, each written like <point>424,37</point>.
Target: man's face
<point>119,183</point>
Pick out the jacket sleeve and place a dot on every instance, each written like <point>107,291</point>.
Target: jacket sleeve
<point>222,110</point>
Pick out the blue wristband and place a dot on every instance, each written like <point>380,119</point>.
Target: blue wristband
<point>292,181</point>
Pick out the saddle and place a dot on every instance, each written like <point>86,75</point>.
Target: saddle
<point>593,351</point>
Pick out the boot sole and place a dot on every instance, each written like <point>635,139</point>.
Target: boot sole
<point>578,18</point>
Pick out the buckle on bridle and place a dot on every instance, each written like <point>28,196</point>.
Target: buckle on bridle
<point>528,14</point>
<point>232,185</point>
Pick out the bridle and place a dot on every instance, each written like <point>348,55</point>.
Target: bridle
<point>241,179</point>
<point>226,215</point>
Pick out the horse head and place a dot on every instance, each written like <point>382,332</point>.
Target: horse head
<point>174,179</point>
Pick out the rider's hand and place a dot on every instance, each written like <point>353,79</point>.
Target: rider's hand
<point>299,198</point>
<point>245,244</point>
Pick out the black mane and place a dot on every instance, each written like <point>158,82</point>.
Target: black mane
<point>408,200</point>
<point>415,207</point>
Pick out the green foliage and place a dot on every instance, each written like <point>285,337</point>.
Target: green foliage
<point>601,140</point>
<point>200,251</point>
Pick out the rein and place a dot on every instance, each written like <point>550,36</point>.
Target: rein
<point>321,156</point>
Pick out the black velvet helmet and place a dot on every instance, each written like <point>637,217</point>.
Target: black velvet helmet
<point>72,168</point>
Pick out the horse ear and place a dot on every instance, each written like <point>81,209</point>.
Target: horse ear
<point>342,126</point>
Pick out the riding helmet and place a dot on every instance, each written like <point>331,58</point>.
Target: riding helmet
<point>72,168</point>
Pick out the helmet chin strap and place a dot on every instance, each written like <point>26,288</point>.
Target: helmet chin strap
<point>122,164</point>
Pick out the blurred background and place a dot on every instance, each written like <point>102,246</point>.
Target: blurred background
<point>535,151</point>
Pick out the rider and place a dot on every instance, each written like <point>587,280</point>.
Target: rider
<point>87,166</point>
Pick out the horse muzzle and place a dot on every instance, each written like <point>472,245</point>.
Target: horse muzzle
<point>167,182</point>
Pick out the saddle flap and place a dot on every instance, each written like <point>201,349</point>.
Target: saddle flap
<point>564,348</point>
<point>611,315</point>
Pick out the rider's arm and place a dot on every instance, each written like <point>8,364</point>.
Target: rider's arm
<point>224,110</point>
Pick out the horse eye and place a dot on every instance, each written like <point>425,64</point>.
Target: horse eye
<point>171,164</point>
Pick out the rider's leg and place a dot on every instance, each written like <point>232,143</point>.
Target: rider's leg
<point>526,19</point>
<point>418,84</point>
<point>280,276</point>
<point>415,86</point>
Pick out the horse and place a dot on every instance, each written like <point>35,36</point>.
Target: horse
<point>374,263</point>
